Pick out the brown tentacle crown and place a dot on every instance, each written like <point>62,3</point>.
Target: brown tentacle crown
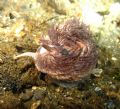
<point>69,53</point>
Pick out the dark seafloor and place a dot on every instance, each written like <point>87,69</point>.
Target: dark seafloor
<point>22,22</point>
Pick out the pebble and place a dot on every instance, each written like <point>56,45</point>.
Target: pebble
<point>34,88</point>
<point>110,105</point>
<point>97,72</point>
<point>1,61</point>
<point>113,87</point>
<point>35,105</point>
<point>39,94</point>
<point>99,91</point>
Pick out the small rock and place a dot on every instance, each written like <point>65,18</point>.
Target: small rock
<point>34,88</point>
<point>110,105</point>
<point>35,105</point>
<point>57,90</point>
<point>113,87</point>
<point>39,94</point>
<point>1,61</point>
<point>99,91</point>
<point>97,72</point>
<point>11,16</point>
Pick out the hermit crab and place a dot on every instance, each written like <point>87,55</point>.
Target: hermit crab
<point>68,55</point>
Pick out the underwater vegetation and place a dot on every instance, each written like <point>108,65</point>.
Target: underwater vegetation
<point>22,25</point>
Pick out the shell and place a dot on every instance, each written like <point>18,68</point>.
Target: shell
<point>69,54</point>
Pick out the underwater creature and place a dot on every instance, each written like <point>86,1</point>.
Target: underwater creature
<point>69,53</point>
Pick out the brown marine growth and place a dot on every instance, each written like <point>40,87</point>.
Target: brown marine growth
<point>69,54</point>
